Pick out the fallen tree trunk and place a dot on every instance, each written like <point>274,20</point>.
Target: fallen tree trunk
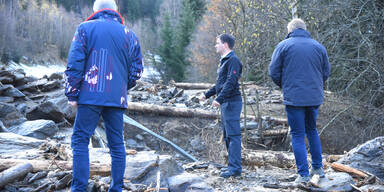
<point>347,169</point>
<point>44,165</point>
<point>277,132</point>
<point>183,112</point>
<point>170,111</point>
<point>13,173</point>
<point>194,85</point>
<point>202,85</point>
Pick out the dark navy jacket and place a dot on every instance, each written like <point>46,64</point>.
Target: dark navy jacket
<point>228,75</point>
<point>104,61</point>
<point>300,67</point>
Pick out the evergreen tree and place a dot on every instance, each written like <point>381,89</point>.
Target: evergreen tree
<point>166,50</point>
<point>176,61</point>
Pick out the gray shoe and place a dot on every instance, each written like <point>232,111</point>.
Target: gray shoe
<point>318,171</point>
<point>301,179</point>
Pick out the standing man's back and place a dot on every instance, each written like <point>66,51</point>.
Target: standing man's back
<point>103,63</point>
<point>300,67</point>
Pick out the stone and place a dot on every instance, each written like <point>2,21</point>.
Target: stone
<point>13,92</point>
<point>6,99</point>
<point>56,76</point>
<point>51,85</point>
<point>62,105</point>
<point>47,110</point>
<point>19,147</point>
<point>40,129</point>
<point>33,87</point>
<point>188,182</point>
<point>336,182</point>
<point>6,80</point>
<point>367,157</point>
<point>9,115</point>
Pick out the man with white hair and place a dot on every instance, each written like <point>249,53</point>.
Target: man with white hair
<point>300,67</point>
<point>104,62</point>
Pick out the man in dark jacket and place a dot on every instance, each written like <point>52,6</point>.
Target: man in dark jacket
<point>230,101</point>
<point>104,61</point>
<point>300,67</point>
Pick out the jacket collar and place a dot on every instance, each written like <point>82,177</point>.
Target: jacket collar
<point>106,13</point>
<point>228,55</point>
<point>298,33</point>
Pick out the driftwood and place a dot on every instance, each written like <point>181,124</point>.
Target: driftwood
<point>13,173</point>
<point>203,85</point>
<point>274,133</point>
<point>184,112</point>
<point>193,85</point>
<point>347,169</point>
<point>170,111</point>
<point>43,165</point>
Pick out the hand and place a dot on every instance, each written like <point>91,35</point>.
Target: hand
<point>73,104</point>
<point>215,104</point>
<point>202,97</point>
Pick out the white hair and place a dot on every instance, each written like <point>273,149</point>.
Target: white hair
<point>296,24</point>
<point>103,4</point>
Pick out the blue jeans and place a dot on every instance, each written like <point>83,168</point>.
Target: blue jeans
<point>230,121</point>
<point>302,121</point>
<point>87,118</point>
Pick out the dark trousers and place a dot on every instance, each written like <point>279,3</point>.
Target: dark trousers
<point>302,121</point>
<point>86,121</point>
<point>230,120</point>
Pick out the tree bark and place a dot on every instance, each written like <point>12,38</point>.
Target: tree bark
<point>43,165</point>
<point>14,172</point>
<point>347,169</point>
<point>194,85</point>
<point>170,111</point>
<point>184,112</point>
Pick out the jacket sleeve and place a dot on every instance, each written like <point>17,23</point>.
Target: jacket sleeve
<point>276,66</point>
<point>233,76</point>
<point>136,65</point>
<point>326,66</point>
<point>210,92</point>
<point>75,64</point>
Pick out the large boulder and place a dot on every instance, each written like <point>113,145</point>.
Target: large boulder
<point>13,92</point>
<point>19,147</point>
<point>336,182</point>
<point>367,157</point>
<point>62,104</point>
<point>33,87</point>
<point>9,115</point>
<point>47,110</point>
<point>51,85</point>
<point>40,129</point>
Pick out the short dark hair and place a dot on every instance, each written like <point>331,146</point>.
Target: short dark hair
<point>227,38</point>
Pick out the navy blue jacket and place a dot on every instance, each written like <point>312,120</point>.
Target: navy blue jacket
<point>104,61</point>
<point>228,75</point>
<point>300,67</point>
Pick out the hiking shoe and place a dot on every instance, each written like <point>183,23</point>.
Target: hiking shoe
<point>302,179</point>
<point>224,169</point>
<point>318,171</point>
<point>227,174</point>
